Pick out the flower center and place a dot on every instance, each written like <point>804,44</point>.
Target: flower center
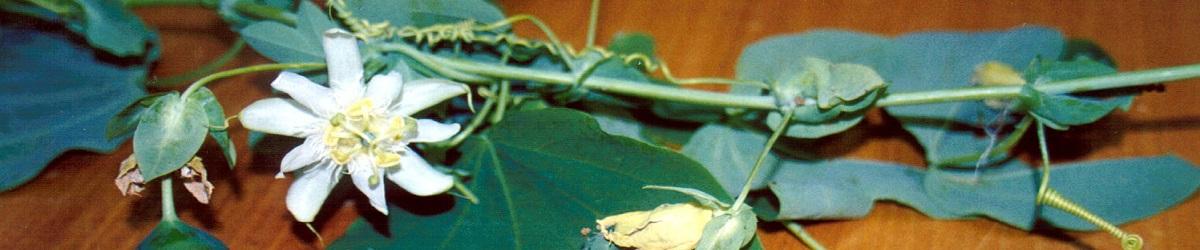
<point>359,130</point>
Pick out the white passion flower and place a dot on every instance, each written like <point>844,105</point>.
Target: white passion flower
<point>355,129</point>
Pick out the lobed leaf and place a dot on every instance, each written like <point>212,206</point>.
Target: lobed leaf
<point>1118,190</point>
<point>53,105</point>
<point>540,176</point>
<point>285,44</point>
<point>216,122</point>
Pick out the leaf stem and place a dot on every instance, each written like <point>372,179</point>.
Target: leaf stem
<point>787,117</point>
<point>593,18</point>
<point>481,72</point>
<point>249,69</point>
<point>799,232</point>
<point>265,12</point>
<point>1119,80</point>
<point>168,201</point>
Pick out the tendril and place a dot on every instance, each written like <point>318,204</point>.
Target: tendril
<point>1049,196</point>
<point>495,33</point>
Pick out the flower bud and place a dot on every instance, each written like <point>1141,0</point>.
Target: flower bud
<point>669,226</point>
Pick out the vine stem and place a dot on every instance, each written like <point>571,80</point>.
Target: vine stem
<point>249,69</point>
<point>799,232</point>
<point>168,201</point>
<point>787,117</point>
<point>474,70</point>
<point>593,17</point>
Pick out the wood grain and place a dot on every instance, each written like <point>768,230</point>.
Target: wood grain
<point>74,205</point>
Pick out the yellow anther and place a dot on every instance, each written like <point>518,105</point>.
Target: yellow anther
<point>385,159</point>
<point>360,109</point>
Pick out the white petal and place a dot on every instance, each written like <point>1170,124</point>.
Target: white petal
<point>384,90</point>
<point>311,151</point>
<point>362,180</point>
<point>308,192</point>
<point>421,94</point>
<point>317,98</point>
<point>280,116</point>
<point>344,65</point>
<point>416,176</point>
<point>433,131</point>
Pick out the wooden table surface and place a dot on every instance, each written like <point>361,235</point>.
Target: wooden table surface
<point>73,204</point>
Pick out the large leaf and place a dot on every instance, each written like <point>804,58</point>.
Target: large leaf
<point>1118,190</point>
<point>540,176</point>
<point>950,132</point>
<point>729,154</point>
<point>174,234</point>
<point>52,105</point>
<point>285,44</point>
<point>421,13</point>
<point>818,65</point>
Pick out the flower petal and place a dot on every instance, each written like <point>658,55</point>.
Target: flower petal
<point>308,192</point>
<point>433,131</point>
<point>280,116</point>
<point>418,177</point>
<point>344,65</point>
<point>385,89</point>
<point>317,98</point>
<point>362,174</point>
<point>421,94</point>
<point>311,151</point>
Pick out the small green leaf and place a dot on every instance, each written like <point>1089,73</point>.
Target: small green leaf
<point>729,231</point>
<point>109,26</point>
<point>729,153</point>
<point>540,176</point>
<point>1061,111</point>
<point>949,132</point>
<point>169,134</point>
<point>632,43</point>
<point>216,122</point>
<point>174,234</point>
<point>127,120</point>
<point>821,71</point>
<point>285,44</point>
<point>422,13</point>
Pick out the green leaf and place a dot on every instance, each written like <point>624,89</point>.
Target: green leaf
<point>127,120</point>
<point>237,19</point>
<point>174,234</point>
<point>704,199</point>
<point>1076,49</point>
<point>422,13</point>
<point>1122,190</point>
<point>729,231</point>
<point>540,176</point>
<point>821,66</point>
<point>216,122</point>
<point>1118,190</point>
<point>52,105</point>
<point>285,44</point>
<point>632,43</point>
<point>1061,111</point>
<point>729,154</point>
<point>949,132</point>
<point>169,134</point>
<point>109,26</point>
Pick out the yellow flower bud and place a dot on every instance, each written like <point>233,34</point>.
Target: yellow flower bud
<point>667,227</point>
<point>994,73</point>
